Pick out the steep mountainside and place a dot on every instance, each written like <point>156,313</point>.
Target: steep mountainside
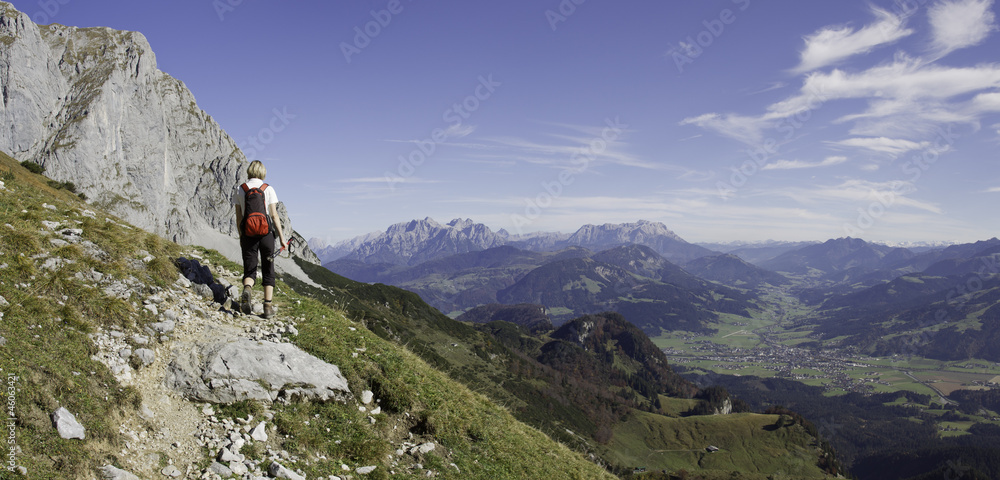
<point>530,317</point>
<point>733,271</point>
<point>90,105</point>
<point>628,356</point>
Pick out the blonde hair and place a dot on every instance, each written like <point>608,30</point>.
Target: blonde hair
<point>256,170</point>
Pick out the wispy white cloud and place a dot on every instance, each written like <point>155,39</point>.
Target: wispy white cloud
<point>894,147</point>
<point>459,130</point>
<point>799,164</point>
<point>746,129</point>
<point>858,191</point>
<point>833,44</point>
<point>577,147</point>
<point>455,131</point>
<point>993,190</point>
<point>367,189</point>
<point>772,86</point>
<point>959,24</point>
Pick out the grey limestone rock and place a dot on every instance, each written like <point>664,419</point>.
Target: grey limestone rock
<point>165,326</point>
<point>278,470</point>
<point>229,370</point>
<point>171,471</point>
<point>220,469</point>
<point>259,433</point>
<point>110,472</point>
<point>144,357</point>
<point>66,424</point>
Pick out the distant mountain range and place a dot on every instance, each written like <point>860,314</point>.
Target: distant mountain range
<point>652,292</point>
<point>417,241</point>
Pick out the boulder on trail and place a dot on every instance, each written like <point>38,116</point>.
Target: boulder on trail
<point>234,369</point>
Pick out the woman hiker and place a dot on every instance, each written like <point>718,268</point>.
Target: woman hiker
<point>258,221</point>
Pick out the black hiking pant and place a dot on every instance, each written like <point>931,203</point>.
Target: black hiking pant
<point>264,246</point>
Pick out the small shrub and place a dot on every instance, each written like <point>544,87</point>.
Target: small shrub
<point>68,186</point>
<point>33,167</point>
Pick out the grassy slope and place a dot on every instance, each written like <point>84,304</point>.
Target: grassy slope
<point>47,354</point>
<point>748,444</point>
<point>48,350</point>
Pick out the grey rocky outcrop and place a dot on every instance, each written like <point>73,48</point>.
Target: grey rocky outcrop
<point>227,371</point>
<point>91,106</point>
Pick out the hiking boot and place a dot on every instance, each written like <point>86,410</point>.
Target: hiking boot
<point>268,310</point>
<point>245,301</point>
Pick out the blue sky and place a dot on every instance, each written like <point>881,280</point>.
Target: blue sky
<point>725,119</point>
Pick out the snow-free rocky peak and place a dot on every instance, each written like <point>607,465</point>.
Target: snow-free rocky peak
<point>91,106</point>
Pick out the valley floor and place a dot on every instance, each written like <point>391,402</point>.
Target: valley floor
<point>768,346</point>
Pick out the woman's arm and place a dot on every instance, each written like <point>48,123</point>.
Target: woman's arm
<point>239,218</point>
<point>273,210</point>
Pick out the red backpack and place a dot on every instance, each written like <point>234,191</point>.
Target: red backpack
<point>256,221</point>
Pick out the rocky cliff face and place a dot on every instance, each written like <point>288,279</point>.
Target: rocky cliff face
<point>90,105</point>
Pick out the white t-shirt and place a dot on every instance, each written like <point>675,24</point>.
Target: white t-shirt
<point>239,196</point>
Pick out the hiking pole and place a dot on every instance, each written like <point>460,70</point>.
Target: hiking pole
<point>287,245</point>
